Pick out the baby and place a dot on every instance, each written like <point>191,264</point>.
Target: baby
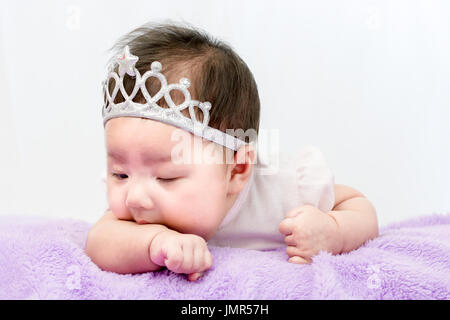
<point>169,199</point>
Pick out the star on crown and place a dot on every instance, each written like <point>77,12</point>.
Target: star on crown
<point>127,62</point>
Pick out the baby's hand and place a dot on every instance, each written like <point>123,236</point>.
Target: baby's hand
<point>309,230</point>
<point>181,253</point>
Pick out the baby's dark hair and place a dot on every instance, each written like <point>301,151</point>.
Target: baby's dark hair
<point>217,74</point>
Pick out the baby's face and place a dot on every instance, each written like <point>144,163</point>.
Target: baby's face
<point>145,185</point>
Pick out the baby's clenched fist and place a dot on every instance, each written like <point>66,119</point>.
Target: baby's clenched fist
<point>181,253</point>
<point>308,231</point>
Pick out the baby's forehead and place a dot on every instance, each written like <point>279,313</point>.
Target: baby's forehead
<point>149,139</point>
<point>127,131</point>
<point>167,158</point>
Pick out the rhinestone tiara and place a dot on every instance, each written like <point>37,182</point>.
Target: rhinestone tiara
<point>151,110</point>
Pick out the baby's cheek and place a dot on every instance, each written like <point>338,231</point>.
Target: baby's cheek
<point>196,211</point>
<point>186,221</point>
<point>205,223</point>
<point>122,214</point>
<point>116,205</point>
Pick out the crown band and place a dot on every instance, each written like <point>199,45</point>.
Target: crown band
<point>151,110</point>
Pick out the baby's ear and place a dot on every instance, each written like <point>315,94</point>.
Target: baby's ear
<point>242,168</point>
<point>245,154</point>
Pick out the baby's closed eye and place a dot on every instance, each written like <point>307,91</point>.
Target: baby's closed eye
<point>122,176</point>
<point>166,179</point>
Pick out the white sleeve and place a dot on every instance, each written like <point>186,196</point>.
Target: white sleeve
<point>315,180</point>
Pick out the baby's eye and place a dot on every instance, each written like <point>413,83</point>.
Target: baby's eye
<point>120,176</point>
<point>167,180</point>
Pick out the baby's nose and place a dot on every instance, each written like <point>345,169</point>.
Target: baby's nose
<point>138,199</point>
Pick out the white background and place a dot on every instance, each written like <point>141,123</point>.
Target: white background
<point>366,81</point>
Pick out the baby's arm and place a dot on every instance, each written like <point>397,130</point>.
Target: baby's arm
<point>122,246</point>
<point>355,216</point>
<point>127,247</point>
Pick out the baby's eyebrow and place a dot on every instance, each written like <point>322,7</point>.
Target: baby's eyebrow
<point>147,158</point>
<point>116,156</point>
<point>158,158</point>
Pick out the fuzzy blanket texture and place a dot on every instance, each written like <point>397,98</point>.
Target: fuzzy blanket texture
<point>43,258</point>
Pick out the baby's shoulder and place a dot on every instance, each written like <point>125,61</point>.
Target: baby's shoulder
<point>291,158</point>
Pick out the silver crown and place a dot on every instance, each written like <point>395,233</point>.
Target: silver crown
<point>150,109</point>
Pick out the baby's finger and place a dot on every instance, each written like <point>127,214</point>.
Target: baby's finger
<point>158,255</point>
<point>290,241</point>
<point>208,260</point>
<point>294,251</point>
<point>175,258</point>
<point>298,260</point>
<point>286,226</point>
<point>194,276</point>
<point>199,259</point>
<point>188,256</point>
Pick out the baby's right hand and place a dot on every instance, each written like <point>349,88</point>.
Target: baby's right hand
<point>181,253</point>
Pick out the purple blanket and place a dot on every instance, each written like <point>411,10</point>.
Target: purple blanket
<point>41,258</point>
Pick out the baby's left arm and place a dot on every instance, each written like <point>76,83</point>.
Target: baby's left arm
<point>356,217</point>
<point>350,223</point>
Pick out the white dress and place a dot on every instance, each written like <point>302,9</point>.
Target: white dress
<point>303,177</point>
